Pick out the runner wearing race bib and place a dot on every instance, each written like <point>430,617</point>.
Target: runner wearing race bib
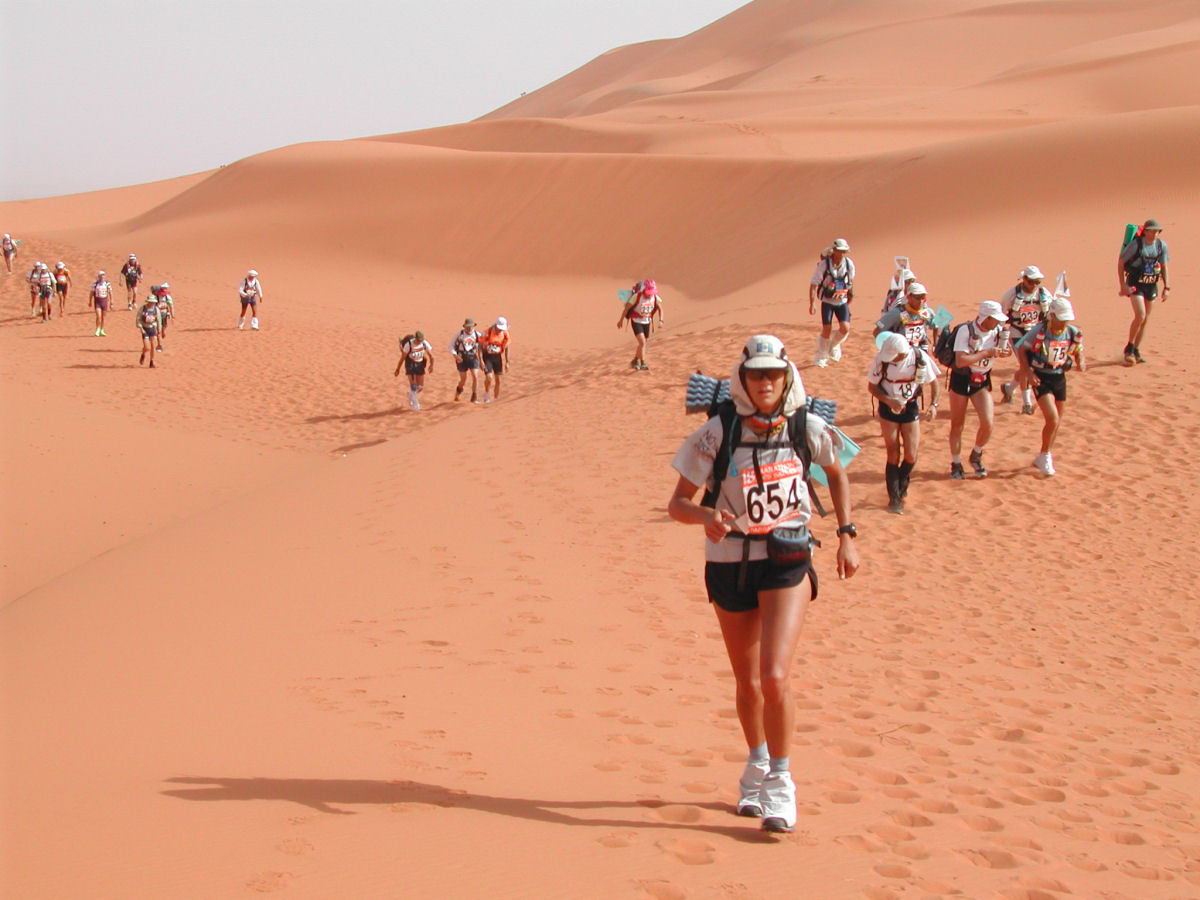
<point>62,282</point>
<point>251,294</point>
<point>100,295</point>
<point>833,282</point>
<point>1045,355</point>
<point>465,347</point>
<point>897,295</point>
<point>1140,267</point>
<point>895,378</point>
<point>644,304</point>
<point>34,290</point>
<point>976,345</point>
<point>416,357</point>
<point>45,282</point>
<point>1026,303</point>
<point>755,514</point>
<point>161,294</point>
<point>495,357</point>
<point>147,321</point>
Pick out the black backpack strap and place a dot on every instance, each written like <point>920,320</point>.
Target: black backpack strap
<point>798,436</point>
<point>731,427</point>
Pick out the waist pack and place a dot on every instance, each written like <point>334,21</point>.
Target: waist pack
<point>790,546</point>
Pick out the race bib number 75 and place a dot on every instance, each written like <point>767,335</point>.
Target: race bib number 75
<point>777,499</point>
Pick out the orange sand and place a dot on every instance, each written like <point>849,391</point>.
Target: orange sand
<point>264,629</point>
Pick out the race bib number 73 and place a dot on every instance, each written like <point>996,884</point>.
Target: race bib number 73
<point>777,499</point>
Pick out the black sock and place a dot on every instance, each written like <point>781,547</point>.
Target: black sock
<point>892,477</point>
<point>904,473</point>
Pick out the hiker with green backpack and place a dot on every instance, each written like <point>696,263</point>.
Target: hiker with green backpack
<point>1140,267</point>
<point>752,458</point>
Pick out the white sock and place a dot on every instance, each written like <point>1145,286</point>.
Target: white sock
<point>976,450</point>
<point>758,754</point>
<point>837,341</point>
<point>779,764</point>
<point>1029,395</point>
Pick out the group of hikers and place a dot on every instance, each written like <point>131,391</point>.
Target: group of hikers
<point>744,476</point>
<point>151,318</point>
<point>473,351</point>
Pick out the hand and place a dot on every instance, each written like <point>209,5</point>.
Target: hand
<point>1125,292</point>
<point>1165,291</point>
<point>718,526</point>
<point>896,406</point>
<point>847,557</point>
<point>931,413</point>
<point>1034,380</point>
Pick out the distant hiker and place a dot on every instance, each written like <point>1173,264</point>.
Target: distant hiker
<point>1140,267</point>
<point>833,282</point>
<point>9,246</point>
<point>101,294</point>
<point>752,460</point>
<point>34,279</point>
<point>45,283</point>
<point>250,292</point>
<point>495,358</point>
<point>161,294</point>
<point>899,290</point>
<point>465,347</point>
<point>62,283</point>
<point>1026,304</point>
<point>1045,355</point>
<point>895,378</point>
<point>132,272</point>
<point>416,356</point>
<point>976,345</point>
<point>148,324</point>
<point>644,304</point>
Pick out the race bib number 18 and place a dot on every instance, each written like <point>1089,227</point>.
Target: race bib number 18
<point>777,499</point>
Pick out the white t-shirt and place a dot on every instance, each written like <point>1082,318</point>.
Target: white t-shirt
<point>983,340</point>
<point>416,350</point>
<point>694,461</point>
<point>1026,310</point>
<point>904,378</point>
<point>251,289</point>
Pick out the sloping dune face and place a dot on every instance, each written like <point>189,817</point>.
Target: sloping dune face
<point>264,628</point>
<point>685,154</point>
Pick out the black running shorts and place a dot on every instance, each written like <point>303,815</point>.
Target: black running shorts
<point>721,580</point>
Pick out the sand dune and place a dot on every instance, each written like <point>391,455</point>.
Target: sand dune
<point>265,630</point>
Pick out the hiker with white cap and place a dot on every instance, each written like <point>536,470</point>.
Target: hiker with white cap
<point>495,357</point>
<point>899,289</point>
<point>251,294</point>
<point>895,378</point>
<point>1045,354</point>
<point>913,318</point>
<point>1026,303</point>
<point>9,246</point>
<point>1140,267</point>
<point>465,347</point>
<point>976,345</point>
<point>62,283</point>
<point>833,282</point>
<point>752,459</point>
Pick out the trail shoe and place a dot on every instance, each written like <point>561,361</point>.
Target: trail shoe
<point>977,462</point>
<point>956,471</point>
<point>750,789</point>
<point>896,506</point>
<point>1130,355</point>
<point>778,798</point>
<point>1007,390</point>
<point>1137,354</point>
<point>835,352</point>
<point>1027,409</point>
<point>1044,463</point>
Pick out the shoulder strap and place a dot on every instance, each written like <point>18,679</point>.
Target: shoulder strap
<point>798,435</point>
<point>731,427</point>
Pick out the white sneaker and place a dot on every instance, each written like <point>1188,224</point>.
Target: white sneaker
<point>778,800</point>
<point>750,788</point>
<point>821,362</point>
<point>240,324</point>
<point>416,401</point>
<point>836,353</point>
<point>412,400</point>
<point>1044,463</point>
<point>254,324</point>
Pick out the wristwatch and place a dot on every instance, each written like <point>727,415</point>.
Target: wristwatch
<point>848,529</point>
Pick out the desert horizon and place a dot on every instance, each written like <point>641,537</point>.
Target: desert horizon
<point>266,629</point>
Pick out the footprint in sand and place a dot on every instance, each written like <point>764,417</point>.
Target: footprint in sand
<point>659,890</point>
<point>680,814</point>
<point>617,839</point>
<point>295,847</point>
<point>267,882</point>
<point>690,851</point>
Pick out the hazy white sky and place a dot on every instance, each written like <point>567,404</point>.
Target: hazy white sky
<point>101,93</point>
